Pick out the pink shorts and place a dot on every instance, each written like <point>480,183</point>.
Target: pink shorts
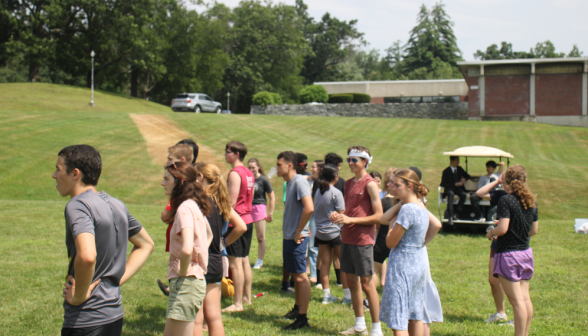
<point>258,212</point>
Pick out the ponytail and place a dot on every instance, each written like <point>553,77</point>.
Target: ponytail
<point>516,178</point>
<point>328,174</point>
<point>217,188</point>
<point>409,176</point>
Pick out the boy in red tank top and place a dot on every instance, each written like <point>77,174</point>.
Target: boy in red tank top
<point>240,184</point>
<point>363,210</point>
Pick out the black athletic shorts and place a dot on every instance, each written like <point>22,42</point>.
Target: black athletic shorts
<point>110,329</point>
<point>240,248</point>
<point>381,252</point>
<point>332,243</point>
<point>212,278</point>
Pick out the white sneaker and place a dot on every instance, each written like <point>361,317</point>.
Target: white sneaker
<point>496,317</point>
<point>330,299</point>
<point>376,333</point>
<point>353,331</point>
<point>258,264</point>
<point>507,323</point>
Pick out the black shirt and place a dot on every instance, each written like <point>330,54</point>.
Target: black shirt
<point>517,236</point>
<point>261,187</point>
<point>216,222</point>
<point>387,203</point>
<point>495,196</point>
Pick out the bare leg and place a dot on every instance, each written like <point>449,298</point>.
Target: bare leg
<point>325,258</point>
<point>529,304</point>
<point>356,296</point>
<point>260,232</point>
<point>497,292</point>
<point>383,273</point>
<point>247,280</point>
<point>178,328</point>
<point>236,266</point>
<point>211,309</point>
<point>400,332</point>
<point>415,327</point>
<point>302,291</point>
<point>516,298</point>
<point>368,284</point>
<point>426,329</point>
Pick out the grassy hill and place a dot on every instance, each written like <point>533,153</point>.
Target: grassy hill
<point>37,120</point>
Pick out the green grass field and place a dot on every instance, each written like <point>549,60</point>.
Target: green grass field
<point>37,120</point>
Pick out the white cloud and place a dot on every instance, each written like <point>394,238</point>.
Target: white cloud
<point>478,23</point>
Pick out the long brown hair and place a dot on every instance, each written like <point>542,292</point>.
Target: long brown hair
<point>410,176</point>
<point>256,161</point>
<point>217,188</point>
<point>185,188</point>
<point>516,178</point>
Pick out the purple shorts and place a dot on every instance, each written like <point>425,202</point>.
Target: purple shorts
<point>258,212</point>
<point>514,266</point>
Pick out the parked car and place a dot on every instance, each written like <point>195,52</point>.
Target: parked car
<point>195,102</point>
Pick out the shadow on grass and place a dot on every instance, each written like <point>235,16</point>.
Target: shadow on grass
<point>150,320</point>
<point>275,321</point>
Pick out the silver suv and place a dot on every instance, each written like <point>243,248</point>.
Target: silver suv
<point>195,102</point>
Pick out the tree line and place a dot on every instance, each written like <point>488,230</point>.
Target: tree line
<point>154,49</point>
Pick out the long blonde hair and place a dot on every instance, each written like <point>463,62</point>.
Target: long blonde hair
<point>217,188</point>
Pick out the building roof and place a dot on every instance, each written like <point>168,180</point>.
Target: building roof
<point>394,82</point>
<point>525,61</point>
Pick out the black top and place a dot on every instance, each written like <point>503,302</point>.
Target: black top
<point>517,236</point>
<point>495,196</point>
<point>449,179</point>
<point>216,221</point>
<point>387,203</point>
<point>339,185</point>
<point>261,187</point>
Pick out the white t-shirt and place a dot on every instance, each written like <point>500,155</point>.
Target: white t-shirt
<point>485,179</point>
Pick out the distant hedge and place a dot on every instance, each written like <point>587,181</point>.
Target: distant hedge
<point>265,98</point>
<point>313,94</point>
<point>359,98</point>
<point>341,98</point>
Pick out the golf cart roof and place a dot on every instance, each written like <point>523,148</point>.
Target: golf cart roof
<point>479,151</point>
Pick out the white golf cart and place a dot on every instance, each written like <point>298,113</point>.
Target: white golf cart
<point>467,216</point>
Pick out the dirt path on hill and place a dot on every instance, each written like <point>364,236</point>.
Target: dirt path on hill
<point>160,133</point>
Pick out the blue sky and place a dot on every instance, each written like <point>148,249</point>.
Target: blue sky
<point>478,23</point>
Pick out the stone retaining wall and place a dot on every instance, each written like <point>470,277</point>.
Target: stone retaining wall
<point>454,111</point>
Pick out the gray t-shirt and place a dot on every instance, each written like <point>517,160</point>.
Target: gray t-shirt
<point>296,189</point>
<point>109,220</point>
<point>324,204</point>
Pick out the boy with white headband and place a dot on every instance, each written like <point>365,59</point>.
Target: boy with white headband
<point>363,210</point>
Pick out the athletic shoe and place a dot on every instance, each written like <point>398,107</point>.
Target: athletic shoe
<point>366,305</point>
<point>291,315</point>
<point>353,331</point>
<point>163,287</point>
<point>496,317</point>
<point>346,302</point>
<point>287,290</point>
<point>298,324</point>
<point>339,285</point>
<point>258,264</point>
<point>376,333</point>
<point>507,323</point>
<point>330,299</point>
<point>319,285</point>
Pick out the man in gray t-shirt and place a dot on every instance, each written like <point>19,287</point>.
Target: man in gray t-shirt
<point>324,204</point>
<point>97,231</point>
<point>296,189</point>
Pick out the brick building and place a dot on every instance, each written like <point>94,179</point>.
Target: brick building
<point>551,90</point>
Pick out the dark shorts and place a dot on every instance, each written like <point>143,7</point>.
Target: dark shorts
<point>240,248</point>
<point>332,243</point>
<point>358,260</point>
<point>110,329</point>
<point>381,251</point>
<point>514,266</point>
<point>493,248</point>
<point>294,255</point>
<point>213,278</point>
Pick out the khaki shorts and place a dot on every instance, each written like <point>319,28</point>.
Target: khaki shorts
<point>185,298</point>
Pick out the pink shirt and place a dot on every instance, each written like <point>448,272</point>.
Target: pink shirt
<point>245,198</point>
<point>189,216</point>
<point>358,203</point>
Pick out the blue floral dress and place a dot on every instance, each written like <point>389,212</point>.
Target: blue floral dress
<point>404,293</point>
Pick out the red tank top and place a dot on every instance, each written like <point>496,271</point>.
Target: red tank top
<point>358,204</point>
<point>245,198</point>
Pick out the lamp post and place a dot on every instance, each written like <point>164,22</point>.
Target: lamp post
<point>92,54</point>
<point>228,101</point>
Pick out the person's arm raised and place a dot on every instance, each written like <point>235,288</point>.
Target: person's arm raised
<point>142,248</point>
<point>234,187</point>
<point>79,289</point>
<point>484,192</point>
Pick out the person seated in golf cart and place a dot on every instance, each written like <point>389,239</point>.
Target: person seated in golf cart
<point>484,180</point>
<point>452,180</point>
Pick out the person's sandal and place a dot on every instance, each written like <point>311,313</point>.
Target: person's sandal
<point>163,287</point>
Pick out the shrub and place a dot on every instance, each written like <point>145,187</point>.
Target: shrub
<point>276,98</point>
<point>313,93</point>
<point>359,98</point>
<point>341,98</point>
<point>262,98</point>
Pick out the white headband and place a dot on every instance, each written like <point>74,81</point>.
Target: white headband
<point>362,154</point>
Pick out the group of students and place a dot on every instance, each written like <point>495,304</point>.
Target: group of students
<point>358,224</point>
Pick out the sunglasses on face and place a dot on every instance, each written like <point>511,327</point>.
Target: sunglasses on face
<point>354,160</point>
<point>228,152</point>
